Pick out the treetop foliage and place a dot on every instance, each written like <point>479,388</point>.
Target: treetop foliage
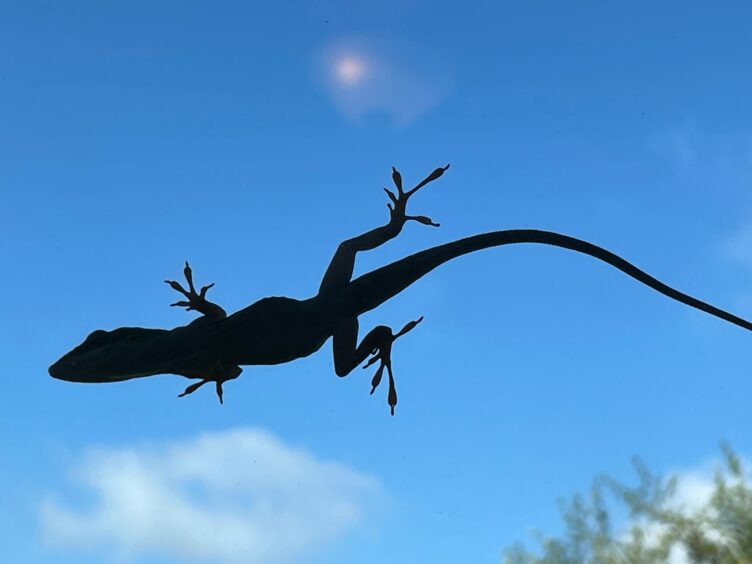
<point>660,529</point>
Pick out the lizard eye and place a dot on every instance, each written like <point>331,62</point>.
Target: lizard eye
<point>96,337</point>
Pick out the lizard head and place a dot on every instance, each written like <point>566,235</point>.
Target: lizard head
<point>105,356</point>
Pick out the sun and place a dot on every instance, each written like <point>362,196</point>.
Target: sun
<point>350,69</point>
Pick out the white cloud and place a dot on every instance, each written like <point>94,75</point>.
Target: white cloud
<point>234,496</point>
<point>395,78</point>
<point>694,488</point>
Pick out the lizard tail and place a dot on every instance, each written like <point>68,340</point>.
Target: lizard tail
<point>372,289</point>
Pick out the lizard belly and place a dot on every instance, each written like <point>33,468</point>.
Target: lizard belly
<point>276,330</point>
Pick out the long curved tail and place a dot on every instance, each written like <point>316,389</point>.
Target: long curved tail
<point>372,289</point>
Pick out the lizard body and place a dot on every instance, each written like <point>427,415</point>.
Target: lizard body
<point>276,330</point>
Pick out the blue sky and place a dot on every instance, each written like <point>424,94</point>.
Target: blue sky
<point>251,139</point>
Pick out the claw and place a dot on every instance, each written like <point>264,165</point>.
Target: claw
<point>422,219</point>
<point>392,396</point>
<point>430,178</point>
<point>372,360</point>
<point>392,195</point>
<point>220,393</point>
<point>397,179</point>
<point>376,380</point>
<point>409,327</point>
<point>193,387</point>
<point>176,286</point>
<point>202,293</point>
<point>188,273</point>
<point>382,353</point>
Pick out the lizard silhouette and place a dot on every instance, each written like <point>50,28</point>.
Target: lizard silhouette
<point>276,330</point>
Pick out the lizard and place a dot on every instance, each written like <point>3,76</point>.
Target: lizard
<point>276,330</point>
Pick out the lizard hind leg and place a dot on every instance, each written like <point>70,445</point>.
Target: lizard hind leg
<point>341,267</point>
<point>377,344</point>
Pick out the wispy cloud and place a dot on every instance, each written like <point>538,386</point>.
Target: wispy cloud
<point>737,248</point>
<point>711,158</point>
<point>738,245</point>
<point>368,77</point>
<point>678,144</point>
<point>717,164</point>
<point>235,496</point>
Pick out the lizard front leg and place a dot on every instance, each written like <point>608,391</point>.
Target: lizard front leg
<point>378,343</point>
<point>220,372</point>
<point>196,300</point>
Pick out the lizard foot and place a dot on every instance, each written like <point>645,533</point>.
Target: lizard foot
<point>220,376</point>
<point>195,300</point>
<point>398,205</point>
<point>382,352</point>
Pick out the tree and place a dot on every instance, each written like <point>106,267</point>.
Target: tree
<point>718,532</point>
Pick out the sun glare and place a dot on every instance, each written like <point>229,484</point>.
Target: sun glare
<point>349,69</point>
